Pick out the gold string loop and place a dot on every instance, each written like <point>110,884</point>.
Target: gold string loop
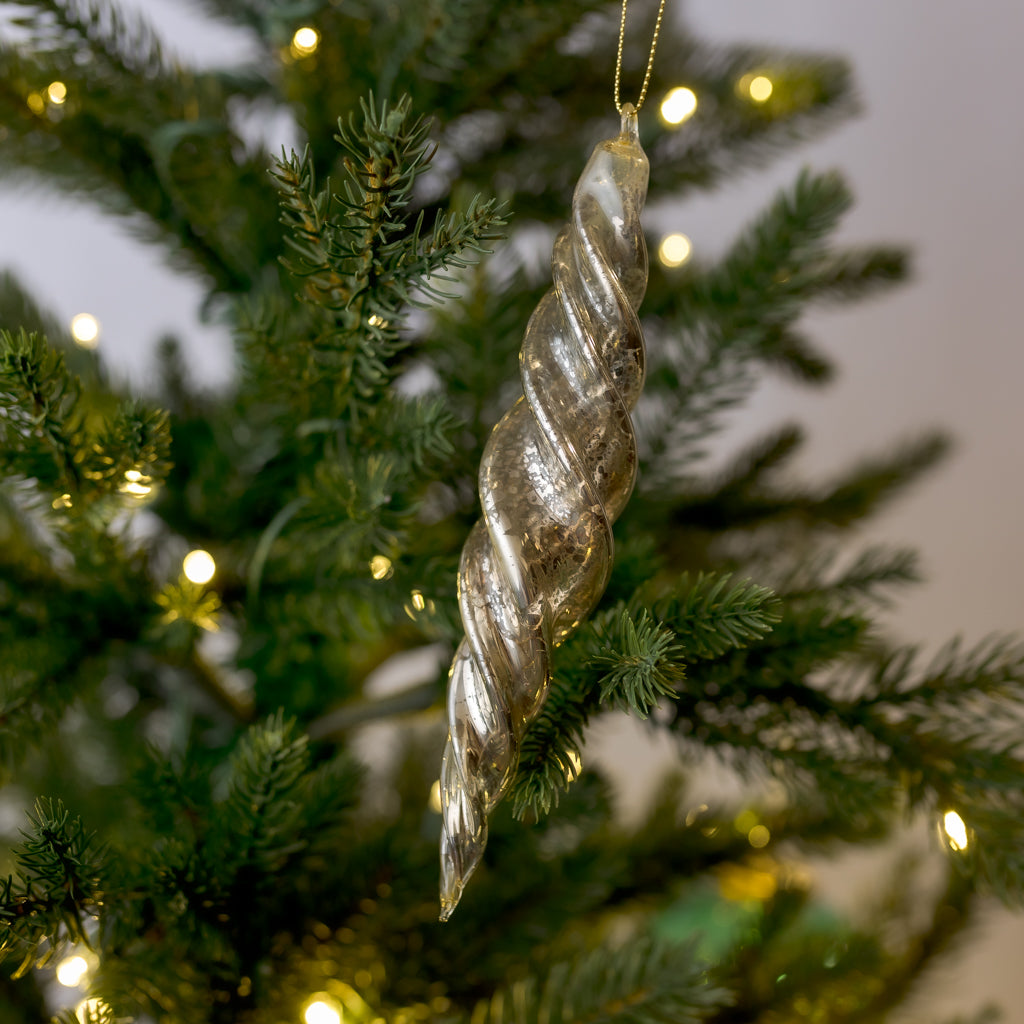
<point>650,58</point>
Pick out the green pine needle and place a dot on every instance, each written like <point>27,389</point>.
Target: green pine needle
<point>643,665</point>
<point>644,982</point>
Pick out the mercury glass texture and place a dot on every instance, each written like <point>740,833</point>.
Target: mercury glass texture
<point>557,471</point>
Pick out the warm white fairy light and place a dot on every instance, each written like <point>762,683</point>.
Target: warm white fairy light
<point>759,837</point>
<point>305,41</point>
<point>380,567</point>
<point>760,88</point>
<point>678,105</point>
<point>675,250</point>
<point>72,970</point>
<point>57,93</point>
<point>89,1009</point>
<point>418,601</point>
<point>85,329</point>
<point>135,484</point>
<point>199,566</point>
<point>956,830</point>
<point>321,1009</point>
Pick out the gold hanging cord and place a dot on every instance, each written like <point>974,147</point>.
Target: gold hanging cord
<point>650,59</point>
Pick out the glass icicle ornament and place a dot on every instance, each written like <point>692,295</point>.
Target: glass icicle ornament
<point>557,471</point>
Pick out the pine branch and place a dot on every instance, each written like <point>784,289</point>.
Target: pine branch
<point>642,667</point>
<point>869,575</point>
<point>860,492</point>
<point>704,618</point>
<point>126,41</point>
<point>38,396</point>
<point>715,614</point>
<point>643,983</point>
<point>49,435</point>
<point>364,264</point>
<point>739,311</point>
<point>57,886</point>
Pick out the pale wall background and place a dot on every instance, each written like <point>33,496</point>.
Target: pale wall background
<point>936,162</point>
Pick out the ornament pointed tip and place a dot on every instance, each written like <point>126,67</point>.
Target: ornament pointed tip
<point>449,901</point>
<point>630,126</point>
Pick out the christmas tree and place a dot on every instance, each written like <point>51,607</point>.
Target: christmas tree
<point>227,615</point>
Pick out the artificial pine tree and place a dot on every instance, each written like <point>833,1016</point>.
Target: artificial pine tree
<point>226,812</point>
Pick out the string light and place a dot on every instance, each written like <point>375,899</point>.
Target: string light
<point>956,831</point>
<point>135,484</point>
<point>376,321</point>
<point>199,566</point>
<point>380,567</point>
<point>57,93</point>
<point>418,601</point>
<point>35,102</point>
<point>305,41</point>
<point>675,250</point>
<point>678,105</point>
<point>72,970</point>
<point>759,837</point>
<point>758,87</point>
<point>85,329</point>
<point>321,1010</point>
<point>90,1009</point>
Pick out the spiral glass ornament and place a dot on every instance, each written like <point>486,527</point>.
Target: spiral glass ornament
<point>557,471</point>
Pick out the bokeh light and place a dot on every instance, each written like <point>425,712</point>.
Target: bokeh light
<point>675,250</point>
<point>305,41</point>
<point>760,88</point>
<point>199,566</point>
<point>380,567</point>
<point>759,837</point>
<point>57,93</point>
<point>85,329</point>
<point>90,1009</point>
<point>321,1010</point>
<point>678,105</point>
<point>72,970</point>
<point>956,830</point>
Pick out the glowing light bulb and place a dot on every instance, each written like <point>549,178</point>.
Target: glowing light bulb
<point>956,830</point>
<point>199,566</point>
<point>135,484</point>
<point>89,1009</point>
<point>435,797</point>
<point>380,567</point>
<point>376,321</point>
<point>85,329</point>
<point>759,837</point>
<point>678,105</point>
<point>72,970</point>
<point>760,88</point>
<point>675,250</point>
<point>305,41</point>
<point>418,601</point>
<point>57,93</point>
<point>321,1010</point>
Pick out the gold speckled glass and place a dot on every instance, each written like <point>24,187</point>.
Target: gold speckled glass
<point>557,471</point>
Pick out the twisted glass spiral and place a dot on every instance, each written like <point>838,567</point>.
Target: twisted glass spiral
<point>556,472</point>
